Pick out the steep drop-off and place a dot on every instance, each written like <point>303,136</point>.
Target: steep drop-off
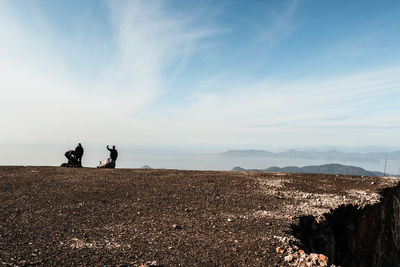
<point>354,236</point>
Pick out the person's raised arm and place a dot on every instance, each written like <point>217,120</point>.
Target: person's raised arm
<point>108,148</point>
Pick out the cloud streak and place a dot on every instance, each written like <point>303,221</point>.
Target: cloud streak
<point>282,106</point>
<point>41,95</point>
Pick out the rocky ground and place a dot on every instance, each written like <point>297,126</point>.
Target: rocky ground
<point>129,217</point>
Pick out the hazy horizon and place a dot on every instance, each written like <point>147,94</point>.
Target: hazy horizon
<point>185,158</point>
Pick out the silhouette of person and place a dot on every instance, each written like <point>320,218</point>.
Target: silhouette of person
<point>113,153</point>
<point>79,153</point>
<point>71,156</point>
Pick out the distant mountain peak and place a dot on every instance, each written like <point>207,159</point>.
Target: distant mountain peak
<point>332,168</point>
<point>146,167</point>
<point>240,169</point>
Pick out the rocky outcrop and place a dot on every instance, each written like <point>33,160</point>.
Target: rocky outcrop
<point>356,236</point>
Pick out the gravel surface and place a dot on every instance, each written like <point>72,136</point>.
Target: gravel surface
<point>130,217</point>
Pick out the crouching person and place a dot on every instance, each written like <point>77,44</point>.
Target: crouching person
<point>110,162</point>
<point>72,159</point>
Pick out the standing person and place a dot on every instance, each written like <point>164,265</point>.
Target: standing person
<point>113,153</point>
<point>79,153</point>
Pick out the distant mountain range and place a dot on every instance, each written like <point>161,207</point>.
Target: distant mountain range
<point>326,169</point>
<point>331,155</point>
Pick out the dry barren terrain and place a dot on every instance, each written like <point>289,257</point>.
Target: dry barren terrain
<point>60,216</point>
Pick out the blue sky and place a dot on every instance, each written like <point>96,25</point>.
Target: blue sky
<point>200,73</point>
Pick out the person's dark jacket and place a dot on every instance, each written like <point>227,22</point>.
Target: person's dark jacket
<point>113,153</point>
<point>79,151</point>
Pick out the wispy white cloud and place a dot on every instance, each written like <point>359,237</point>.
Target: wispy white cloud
<point>149,37</point>
<point>277,107</point>
<point>41,96</point>
<point>280,24</point>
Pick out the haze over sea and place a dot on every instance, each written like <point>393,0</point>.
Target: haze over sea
<point>193,158</point>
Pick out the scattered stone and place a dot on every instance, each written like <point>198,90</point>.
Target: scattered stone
<point>279,195</point>
<point>176,226</point>
<point>289,258</point>
<point>150,263</point>
<point>322,257</point>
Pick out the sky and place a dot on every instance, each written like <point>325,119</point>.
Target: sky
<point>232,74</point>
